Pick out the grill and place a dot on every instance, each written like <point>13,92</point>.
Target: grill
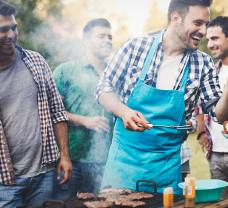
<point>155,201</point>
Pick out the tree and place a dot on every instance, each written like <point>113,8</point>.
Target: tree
<point>30,18</point>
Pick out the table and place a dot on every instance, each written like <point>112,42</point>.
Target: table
<point>220,204</point>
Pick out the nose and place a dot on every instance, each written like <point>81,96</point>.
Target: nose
<point>11,33</point>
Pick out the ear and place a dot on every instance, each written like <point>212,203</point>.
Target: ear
<point>175,17</point>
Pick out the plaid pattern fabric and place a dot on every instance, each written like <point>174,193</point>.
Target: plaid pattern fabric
<point>185,153</point>
<point>124,69</point>
<point>51,111</point>
<point>207,119</point>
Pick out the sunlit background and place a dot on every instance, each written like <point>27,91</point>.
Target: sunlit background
<point>53,28</point>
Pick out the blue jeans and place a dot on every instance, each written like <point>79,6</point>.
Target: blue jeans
<point>86,177</point>
<point>32,191</point>
<point>69,189</point>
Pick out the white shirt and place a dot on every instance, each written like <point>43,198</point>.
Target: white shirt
<point>168,72</point>
<point>220,143</point>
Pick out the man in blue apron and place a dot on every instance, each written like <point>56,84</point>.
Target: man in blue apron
<point>157,80</point>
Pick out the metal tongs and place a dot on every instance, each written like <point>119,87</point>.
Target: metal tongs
<point>183,127</point>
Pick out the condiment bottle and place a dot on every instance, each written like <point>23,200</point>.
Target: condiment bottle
<point>189,192</point>
<point>168,197</point>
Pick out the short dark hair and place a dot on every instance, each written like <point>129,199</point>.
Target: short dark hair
<point>182,6</point>
<point>221,21</point>
<point>99,22</point>
<point>6,9</point>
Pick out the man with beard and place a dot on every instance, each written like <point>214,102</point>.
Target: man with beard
<point>210,133</point>
<point>89,124</point>
<point>32,122</point>
<point>158,80</point>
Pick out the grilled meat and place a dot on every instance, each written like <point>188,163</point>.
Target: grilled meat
<point>86,196</point>
<point>125,202</point>
<point>98,204</point>
<point>139,195</point>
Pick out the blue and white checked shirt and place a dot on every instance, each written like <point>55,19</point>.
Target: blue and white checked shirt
<point>123,71</point>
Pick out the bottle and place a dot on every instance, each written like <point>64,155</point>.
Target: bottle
<point>168,197</point>
<point>189,192</point>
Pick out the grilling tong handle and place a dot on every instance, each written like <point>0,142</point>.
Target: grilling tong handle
<point>154,185</point>
<point>183,127</point>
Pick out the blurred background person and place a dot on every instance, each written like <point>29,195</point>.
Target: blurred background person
<point>210,133</point>
<point>90,126</point>
<point>32,122</point>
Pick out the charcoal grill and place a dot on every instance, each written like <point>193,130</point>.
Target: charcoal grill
<point>156,201</point>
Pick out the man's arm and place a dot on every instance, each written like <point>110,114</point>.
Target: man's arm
<point>59,118</point>
<point>96,123</point>
<point>133,120</point>
<point>65,165</point>
<point>202,136</point>
<point>221,109</point>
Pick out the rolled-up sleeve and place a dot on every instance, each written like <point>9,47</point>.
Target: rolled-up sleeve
<point>210,90</point>
<point>57,110</point>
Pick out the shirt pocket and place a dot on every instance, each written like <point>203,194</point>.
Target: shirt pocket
<point>191,91</point>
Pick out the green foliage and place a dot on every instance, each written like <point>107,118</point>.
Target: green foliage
<point>29,22</point>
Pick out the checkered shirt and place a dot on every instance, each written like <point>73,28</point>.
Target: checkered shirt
<point>207,119</point>
<point>123,71</point>
<point>51,111</point>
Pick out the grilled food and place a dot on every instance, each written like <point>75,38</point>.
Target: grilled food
<point>98,204</point>
<point>139,195</point>
<point>125,202</point>
<point>86,196</point>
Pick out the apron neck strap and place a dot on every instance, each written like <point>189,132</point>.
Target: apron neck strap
<point>150,56</point>
<point>185,77</point>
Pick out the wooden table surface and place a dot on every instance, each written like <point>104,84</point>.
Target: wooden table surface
<point>220,204</point>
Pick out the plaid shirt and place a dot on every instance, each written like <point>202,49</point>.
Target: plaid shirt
<point>207,119</point>
<point>51,111</point>
<point>124,70</point>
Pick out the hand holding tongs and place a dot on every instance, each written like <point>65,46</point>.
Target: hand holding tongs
<point>182,127</point>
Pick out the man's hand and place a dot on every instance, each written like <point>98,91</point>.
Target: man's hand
<point>97,123</point>
<point>204,141</point>
<point>134,120</point>
<point>65,167</point>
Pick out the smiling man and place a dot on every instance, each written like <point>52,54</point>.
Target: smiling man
<point>210,133</point>
<point>32,122</point>
<point>89,124</point>
<point>158,80</point>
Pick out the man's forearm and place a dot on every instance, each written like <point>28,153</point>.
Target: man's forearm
<point>221,109</point>
<point>112,103</point>
<point>60,130</point>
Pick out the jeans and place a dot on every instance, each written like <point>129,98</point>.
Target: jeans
<point>86,177</point>
<point>69,189</point>
<point>219,169</point>
<point>31,191</point>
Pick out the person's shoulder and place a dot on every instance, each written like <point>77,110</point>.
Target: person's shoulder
<point>66,65</point>
<point>139,43</point>
<point>30,53</point>
<point>68,68</point>
<point>201,54</point>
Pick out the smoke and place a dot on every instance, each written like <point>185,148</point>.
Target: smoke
<point>58,40</point>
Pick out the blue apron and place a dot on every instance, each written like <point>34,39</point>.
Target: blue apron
<point>155,153</point>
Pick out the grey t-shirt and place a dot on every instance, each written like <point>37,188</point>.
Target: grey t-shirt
<point>20,118</point>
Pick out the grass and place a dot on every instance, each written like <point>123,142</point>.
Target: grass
<point>199,167</point>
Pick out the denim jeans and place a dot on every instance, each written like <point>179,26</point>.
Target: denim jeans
<point>86,177</point>
<point>219,168</point>
<point>31,191</point>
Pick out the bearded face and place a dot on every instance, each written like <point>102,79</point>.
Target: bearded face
<point>8,38</point>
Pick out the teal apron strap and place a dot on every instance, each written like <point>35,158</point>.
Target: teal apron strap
<point>185,77</point>
<point>150,56</point>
